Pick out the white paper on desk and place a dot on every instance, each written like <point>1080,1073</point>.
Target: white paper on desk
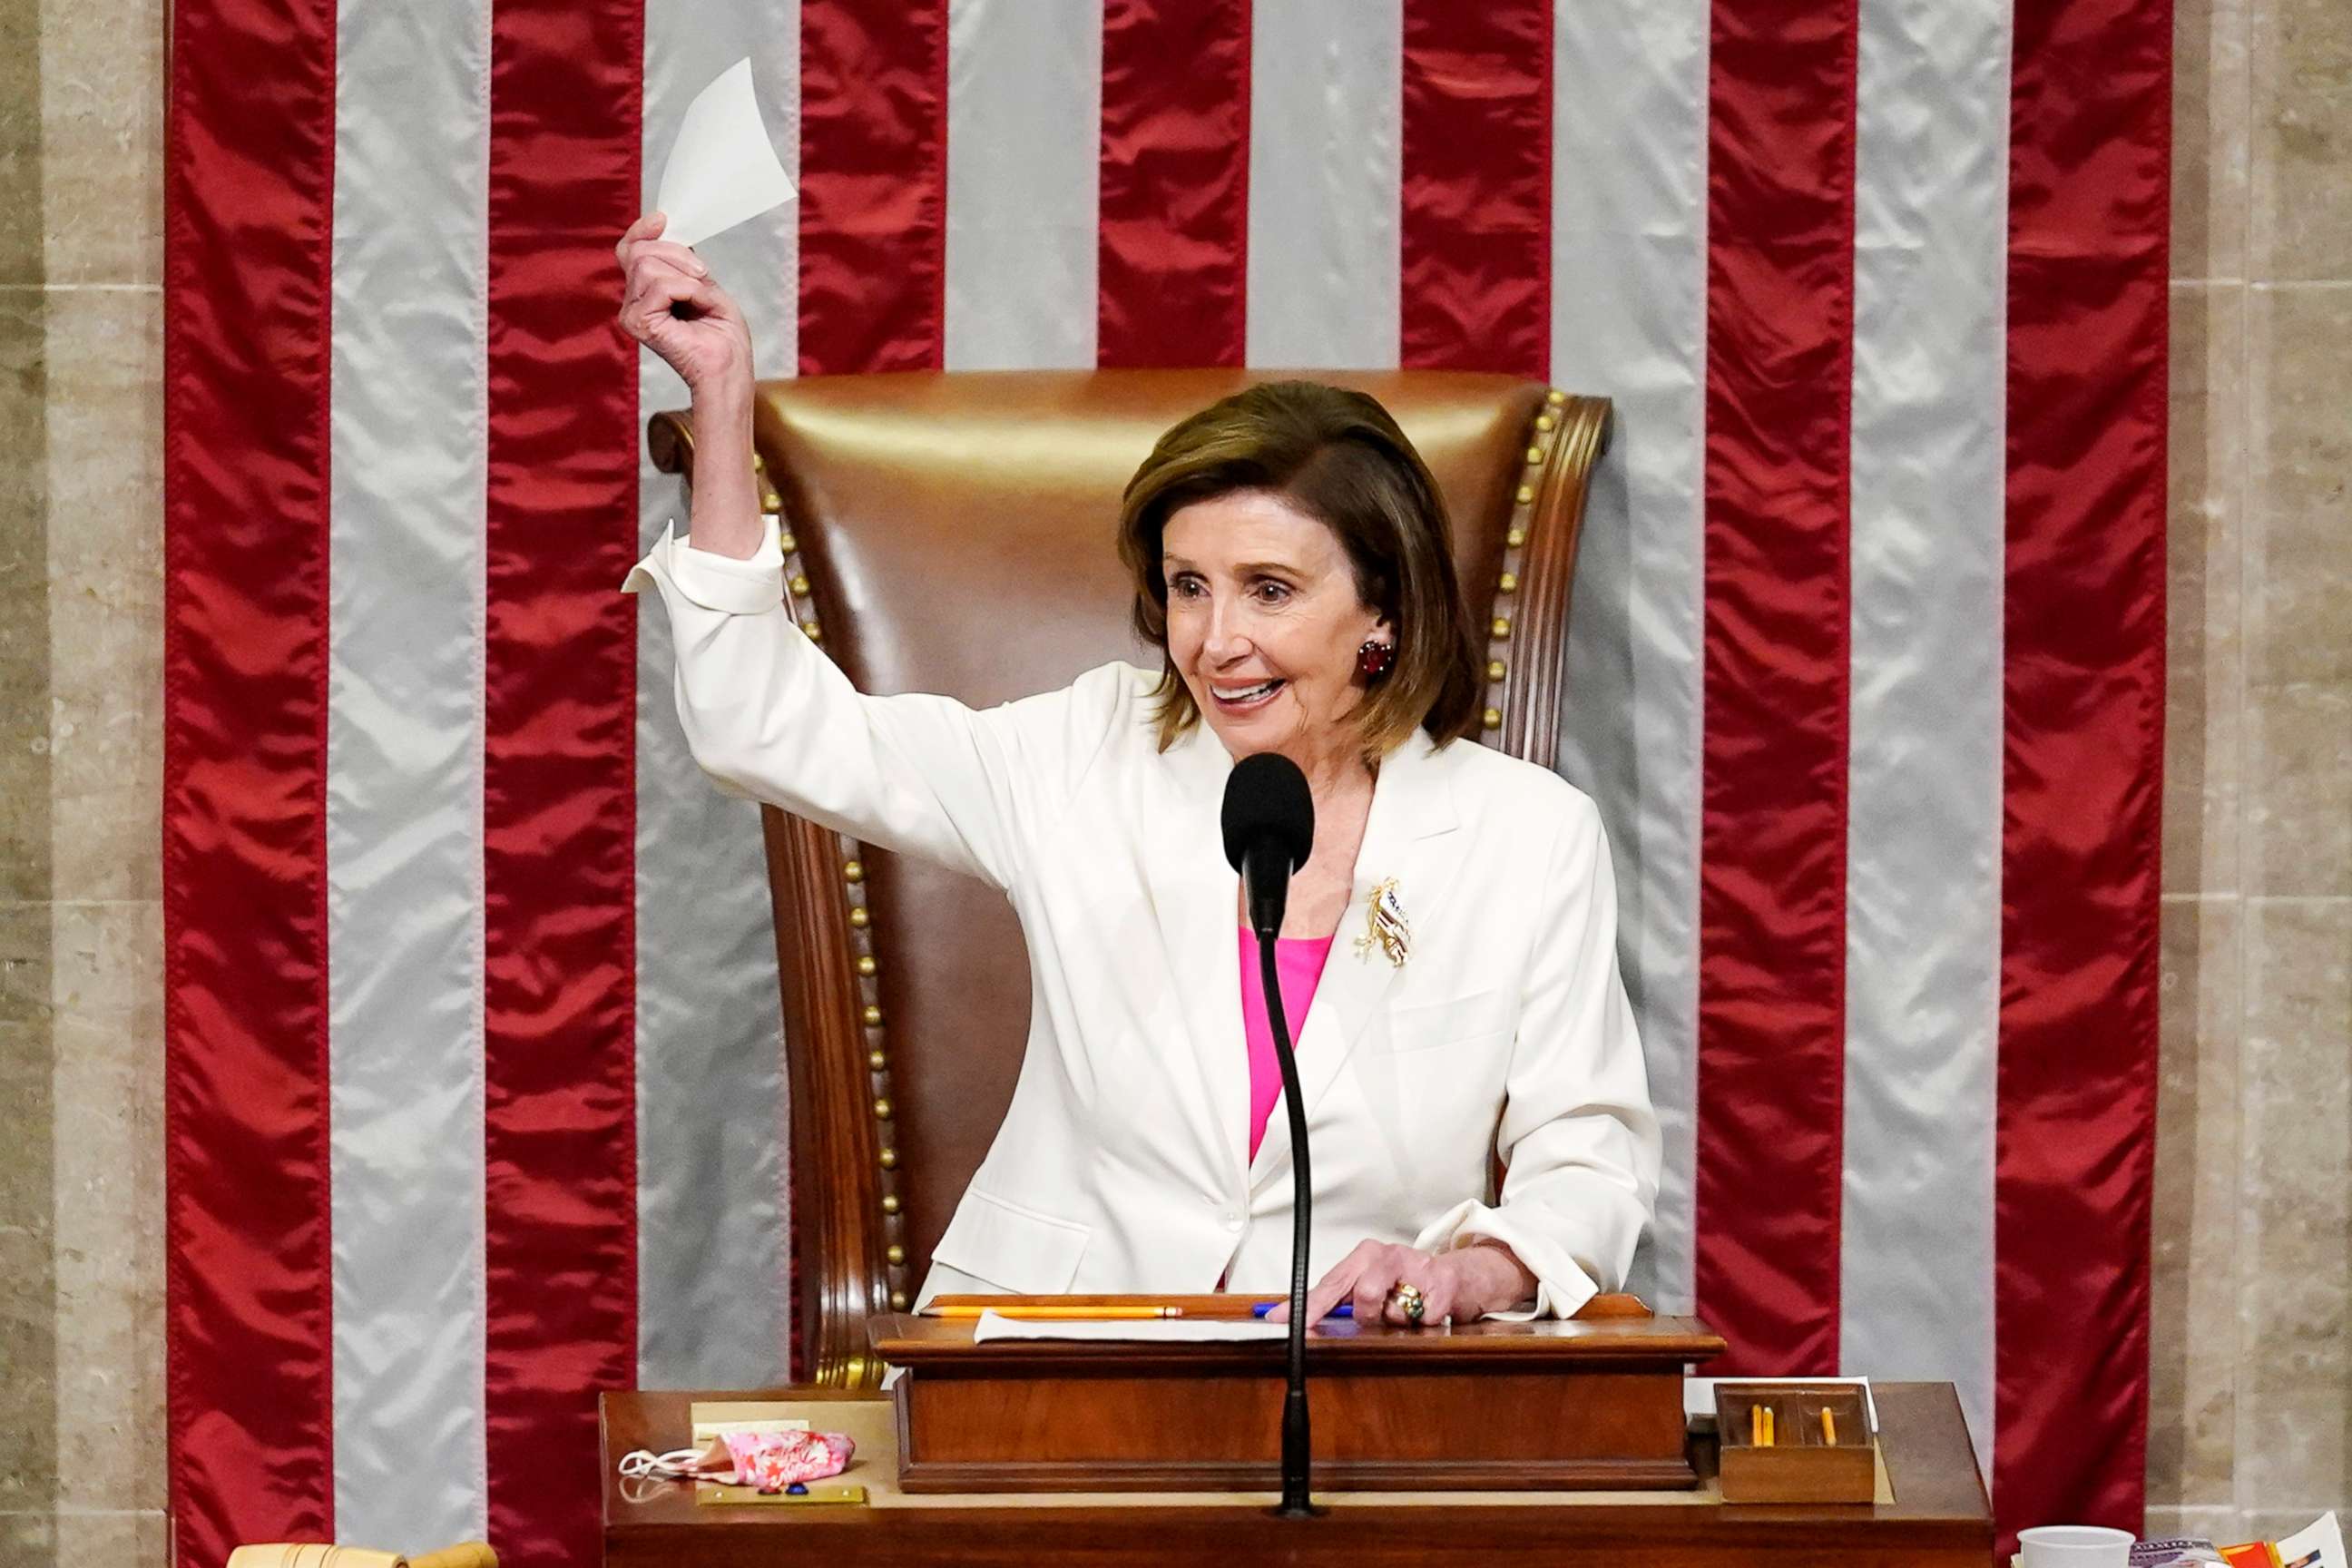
<point>722,170</point>
<point>1699,1393</point>
<point>1141,1330</point>
<point>2319,1544</point>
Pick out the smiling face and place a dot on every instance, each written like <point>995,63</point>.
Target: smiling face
<point>1264,625</point>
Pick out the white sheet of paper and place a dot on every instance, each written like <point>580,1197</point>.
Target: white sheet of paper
<point>2319,1544</point>
<point>1144,1331</point>
<point>722,170</point>
<point>1699,1393</point>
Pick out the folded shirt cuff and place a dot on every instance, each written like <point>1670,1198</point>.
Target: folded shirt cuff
<point>747,586</point>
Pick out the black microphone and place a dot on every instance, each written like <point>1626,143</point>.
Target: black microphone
<point>1269,822</point>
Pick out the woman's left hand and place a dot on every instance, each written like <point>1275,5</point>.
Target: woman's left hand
<point>1464,1284</point>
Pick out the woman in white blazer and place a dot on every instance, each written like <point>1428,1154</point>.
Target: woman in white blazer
<point>1292,562</point>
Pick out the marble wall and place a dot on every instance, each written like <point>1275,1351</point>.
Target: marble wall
<point>2250,1429</point>
<point>2250,1424</point>
<point>82,1188</point>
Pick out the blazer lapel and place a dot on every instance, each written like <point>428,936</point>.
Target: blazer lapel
<point>1196,898</point>
<point>1413,810</point>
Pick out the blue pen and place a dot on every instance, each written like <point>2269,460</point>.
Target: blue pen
<point>1344,1309</point>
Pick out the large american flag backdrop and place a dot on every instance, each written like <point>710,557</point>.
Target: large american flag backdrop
<point>474,1086</point>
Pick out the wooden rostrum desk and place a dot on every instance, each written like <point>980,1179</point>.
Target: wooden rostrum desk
<point>1028,1405</point>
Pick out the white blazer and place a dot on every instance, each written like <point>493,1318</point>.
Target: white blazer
<point>1122,1163</point>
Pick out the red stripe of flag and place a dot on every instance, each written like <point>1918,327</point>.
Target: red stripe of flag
<point>249,194</point>
<point>873,185</point>
<point>873,236</point>
<point>2083,692</point>
<point>1474,203</point>
<point>1174,204</point>
<point>1780,301</point>
<point>558,802</point>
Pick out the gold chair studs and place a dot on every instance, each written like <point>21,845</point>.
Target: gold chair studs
<point>1535,456</point>
<point>1494,669</point>
<point>799,584</point>
<point>1515,538</point>
<point>887,1158</point>
<point>1545,421</point>
<point>897,1301</point>
<point>787,543</point>
<point>859,916</point>
<point>877,1060</point>
<point>890,1203</point>
<point>853,871</point>
<point>895,1254</point>
<point>882,1111</point>
<point>1501,628</point>
<point>1555,397</point>
<point>866,965</point>
<point>872,1016</point>
<point>1526,495</point>
<point>1508,583</point>
<point>1492,718</point>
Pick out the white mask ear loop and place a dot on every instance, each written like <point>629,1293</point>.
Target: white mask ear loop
<point>676,1465</point>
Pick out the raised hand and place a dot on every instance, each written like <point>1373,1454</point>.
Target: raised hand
<point>669,303</point>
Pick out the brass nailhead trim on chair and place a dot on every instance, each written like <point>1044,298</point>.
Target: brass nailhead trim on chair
<point>866,971</point>
<point>1541,438</point>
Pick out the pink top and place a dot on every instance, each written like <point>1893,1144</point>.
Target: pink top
<point>1300,961</point>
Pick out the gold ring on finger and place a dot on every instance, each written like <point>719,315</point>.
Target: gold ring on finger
<point>1414,1303</point>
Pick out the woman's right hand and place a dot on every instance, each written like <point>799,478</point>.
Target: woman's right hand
<point>669,303</point>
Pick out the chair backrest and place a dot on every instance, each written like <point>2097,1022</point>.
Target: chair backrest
<point>953,533</point>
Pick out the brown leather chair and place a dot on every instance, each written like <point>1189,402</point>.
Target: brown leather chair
<point>953,533</point>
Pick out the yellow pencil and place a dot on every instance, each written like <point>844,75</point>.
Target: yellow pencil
<point>1828,1427</point>
<point>1053,1314</point>
<point>1768,1438</point>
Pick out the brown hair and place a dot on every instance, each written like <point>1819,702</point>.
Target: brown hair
<point>1338,457</point>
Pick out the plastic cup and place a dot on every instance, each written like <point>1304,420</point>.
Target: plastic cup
<point>2073,1546</point>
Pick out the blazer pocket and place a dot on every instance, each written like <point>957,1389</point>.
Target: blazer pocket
<point>1017,1248</point>
<point>1461,1022</point>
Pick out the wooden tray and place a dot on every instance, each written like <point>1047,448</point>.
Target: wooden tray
<point>1802,1465</point>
